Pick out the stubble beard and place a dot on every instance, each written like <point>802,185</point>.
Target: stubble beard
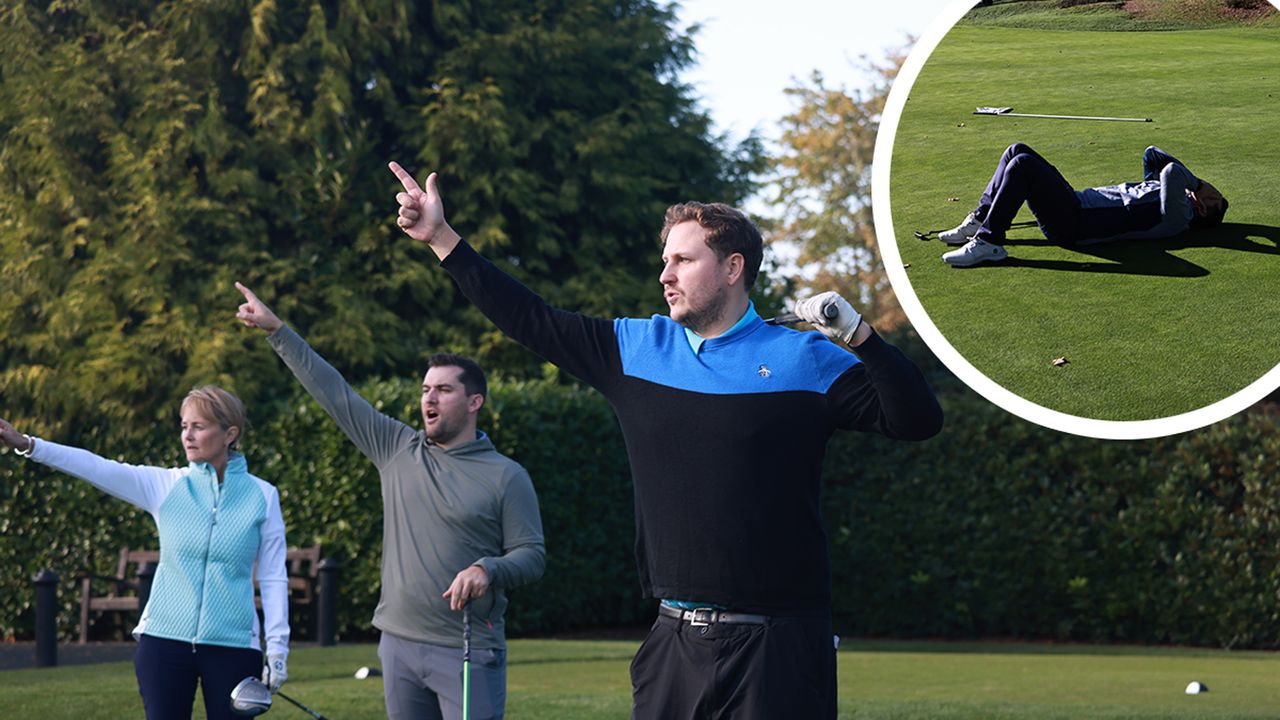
<point>444,433</point>
<point>699,319</point>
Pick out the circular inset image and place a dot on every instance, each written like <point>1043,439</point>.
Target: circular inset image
<point>1076,203</point>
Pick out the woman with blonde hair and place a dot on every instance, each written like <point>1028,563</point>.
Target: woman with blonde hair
<point>215,521</point>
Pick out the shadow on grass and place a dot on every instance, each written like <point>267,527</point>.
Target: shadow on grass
<point>1153,257</point>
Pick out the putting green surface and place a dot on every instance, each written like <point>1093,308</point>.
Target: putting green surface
<point>1149,328</point>
<point>881,680</point>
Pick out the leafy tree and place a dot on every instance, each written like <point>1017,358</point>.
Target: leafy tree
<point>152,153</point>
<point>822,189</point>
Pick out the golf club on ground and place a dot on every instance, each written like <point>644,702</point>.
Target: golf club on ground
<point>250,697</point>
<point>927,234</point>
<point>830,311</point>
<point>1009,112</point>
<point>466,662</point>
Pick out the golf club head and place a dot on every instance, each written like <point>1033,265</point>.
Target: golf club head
<point>250,697</point>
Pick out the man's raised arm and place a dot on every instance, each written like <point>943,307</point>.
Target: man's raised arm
<point>377,436</point>
<point>584,346</point>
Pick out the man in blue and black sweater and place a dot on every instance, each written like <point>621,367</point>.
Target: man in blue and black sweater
<point>1169,200</point>
<point>726,421</point>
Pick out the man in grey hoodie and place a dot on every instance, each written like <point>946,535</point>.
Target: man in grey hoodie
<point>1167,201</point>
<point>460,524</point>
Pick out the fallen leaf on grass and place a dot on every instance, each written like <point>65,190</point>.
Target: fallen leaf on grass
<point>1059,362</point>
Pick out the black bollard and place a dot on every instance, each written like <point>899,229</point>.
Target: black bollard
<point>46,582</point>
<point>146,574</point>
<point>328,626</point>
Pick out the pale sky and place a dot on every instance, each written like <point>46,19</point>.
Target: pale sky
<point>749,51</point>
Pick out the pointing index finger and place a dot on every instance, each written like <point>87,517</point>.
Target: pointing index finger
<point>410,185</point>
<point>248,294</point>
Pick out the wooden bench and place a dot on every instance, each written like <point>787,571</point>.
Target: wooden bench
<point>122,594</point>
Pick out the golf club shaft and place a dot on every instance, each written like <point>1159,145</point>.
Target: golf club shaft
<point>925,235</point>
<point>466,662</point>
<point>302,707</point>
<point>1068,117</point>
<point>830,312</point>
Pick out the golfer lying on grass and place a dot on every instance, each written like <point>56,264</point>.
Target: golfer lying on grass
<point>1169,200</point>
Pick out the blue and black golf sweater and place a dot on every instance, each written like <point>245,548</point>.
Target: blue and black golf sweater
<point>726,444</point>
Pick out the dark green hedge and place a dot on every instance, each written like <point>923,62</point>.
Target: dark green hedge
<point>1001,528</point>
<point>995,528</point>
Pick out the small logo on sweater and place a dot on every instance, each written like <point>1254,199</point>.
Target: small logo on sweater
<point>764,371</point>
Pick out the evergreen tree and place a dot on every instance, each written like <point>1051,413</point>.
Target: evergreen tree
<point>152,153</point>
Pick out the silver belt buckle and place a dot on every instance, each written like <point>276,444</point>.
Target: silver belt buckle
<point>701,617</point>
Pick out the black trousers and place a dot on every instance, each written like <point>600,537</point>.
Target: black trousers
<point>168,670</point>
<point>782,670</point>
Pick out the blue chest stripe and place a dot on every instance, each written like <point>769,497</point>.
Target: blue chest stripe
<point>761,358</point>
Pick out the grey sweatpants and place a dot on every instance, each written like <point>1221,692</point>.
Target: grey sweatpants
<point>424,682</point>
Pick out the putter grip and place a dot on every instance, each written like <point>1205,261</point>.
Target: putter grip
<point>466,632</point>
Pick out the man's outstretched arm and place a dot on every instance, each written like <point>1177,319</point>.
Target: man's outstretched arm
<point>584,346</point>
<point>377,436</point>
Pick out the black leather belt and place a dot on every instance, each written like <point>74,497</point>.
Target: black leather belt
<point>699,617</point>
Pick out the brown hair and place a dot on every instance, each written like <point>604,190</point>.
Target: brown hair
<point>221,407</point>
<point>729,231</point>
<point>472,376</point>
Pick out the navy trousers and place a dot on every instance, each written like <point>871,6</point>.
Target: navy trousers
<point>168,670</point>
<point>1022,176</point>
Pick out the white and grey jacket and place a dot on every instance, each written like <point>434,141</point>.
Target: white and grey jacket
<point>211,536</point>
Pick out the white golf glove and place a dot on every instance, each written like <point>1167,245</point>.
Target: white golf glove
<point>275,672</point>
<point>815,311</point>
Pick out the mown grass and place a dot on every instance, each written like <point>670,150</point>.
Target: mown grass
<point>581,680</point>
<point>1117,15</point>
<point>1150,329</point>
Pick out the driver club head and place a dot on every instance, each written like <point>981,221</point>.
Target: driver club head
<point>250,697</point>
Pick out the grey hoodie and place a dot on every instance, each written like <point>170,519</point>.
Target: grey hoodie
<point>443,511</point>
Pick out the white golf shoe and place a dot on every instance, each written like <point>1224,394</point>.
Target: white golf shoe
<point>961,233</point>
<point>975,251</point>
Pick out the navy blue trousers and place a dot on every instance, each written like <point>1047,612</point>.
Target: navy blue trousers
<point>1022,176</point>
<point>167,672</point>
